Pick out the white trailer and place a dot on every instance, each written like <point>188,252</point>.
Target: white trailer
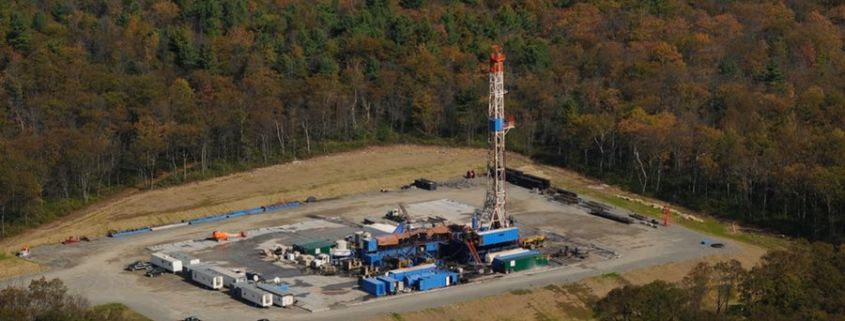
<point>167,262</point>
<point>281,296</point>
<point>253,294</point>
<point>229,277</point>
<point>187,260</point>
<point>205,276</point>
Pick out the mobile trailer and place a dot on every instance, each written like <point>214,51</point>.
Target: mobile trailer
<point>230,278</point>
<point>253,294</point>
<point>187,261</point>
<point>207,277</point>
<point>167,262</point>
<point>281,296</point>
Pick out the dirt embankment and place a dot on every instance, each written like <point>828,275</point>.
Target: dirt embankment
<point>365,170</point>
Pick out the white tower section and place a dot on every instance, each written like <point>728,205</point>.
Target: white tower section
<point>494,215</point>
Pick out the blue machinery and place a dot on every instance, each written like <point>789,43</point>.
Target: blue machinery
<point>491,229</point>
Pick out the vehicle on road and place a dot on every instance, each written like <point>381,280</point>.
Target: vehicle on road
<point>155,272</point>
<point>192,318</point>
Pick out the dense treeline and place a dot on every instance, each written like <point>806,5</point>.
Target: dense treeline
<point>48,300</point>
<point>733,107</point>
<point>806,282</point>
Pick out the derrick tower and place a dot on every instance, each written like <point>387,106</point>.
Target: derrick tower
<point>494,215</point>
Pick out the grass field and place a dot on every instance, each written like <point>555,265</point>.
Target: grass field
<point>119,311</point>
<point>11,266</point>
<point>364,170</point>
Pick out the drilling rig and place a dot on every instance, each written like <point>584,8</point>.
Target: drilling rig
<point>492,229</point>
<point>494,215</point>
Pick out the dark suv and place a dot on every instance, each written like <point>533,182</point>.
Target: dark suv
<point>155,272</point>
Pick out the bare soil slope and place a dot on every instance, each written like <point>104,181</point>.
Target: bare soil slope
<point>365,170</point>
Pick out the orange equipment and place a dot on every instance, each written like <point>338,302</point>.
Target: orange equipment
<point>437,232</point>
<point>24,252</point>
<point>667,215</point>
<point>223,236</point>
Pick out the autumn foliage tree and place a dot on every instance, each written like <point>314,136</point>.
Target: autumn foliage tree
<point>732,108</point>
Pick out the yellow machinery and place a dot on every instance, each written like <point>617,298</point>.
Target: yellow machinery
<point>534,241</point>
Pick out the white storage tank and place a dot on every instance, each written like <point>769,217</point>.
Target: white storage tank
<point>341,244</point>
<point>253,294</point>
<point>207,277</point>
<point>492,255</point>
<point>341,253</point>
<point>167,262</point>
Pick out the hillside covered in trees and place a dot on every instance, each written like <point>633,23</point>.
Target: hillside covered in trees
<point>732,107</point>
<point>804,282</point>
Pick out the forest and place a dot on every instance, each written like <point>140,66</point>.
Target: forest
<point>734,108</point>
<point>49,300</point>
<point>804,282</point>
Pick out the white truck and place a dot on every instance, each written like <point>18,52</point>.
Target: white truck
<point>253,294</point>
<point>167,262</point>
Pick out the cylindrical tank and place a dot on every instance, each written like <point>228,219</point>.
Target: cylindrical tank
<point>341,244</point>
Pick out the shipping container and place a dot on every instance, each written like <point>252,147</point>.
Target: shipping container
<point>281,295</point>
<point>209,278</point>
<point>314,247</point>
<point>251,293</point>
<point>498,237</point>
<point>434,280</point>
<point>519,262</point>
<point>391,285</point>
<point>167,262</point>
<point>425,184</point>
<point>373,286</point>
<point>406,273</point>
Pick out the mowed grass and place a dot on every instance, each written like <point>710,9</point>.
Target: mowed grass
<point>117,311</point>
<point>11,265</point>
<point>366,170</point>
